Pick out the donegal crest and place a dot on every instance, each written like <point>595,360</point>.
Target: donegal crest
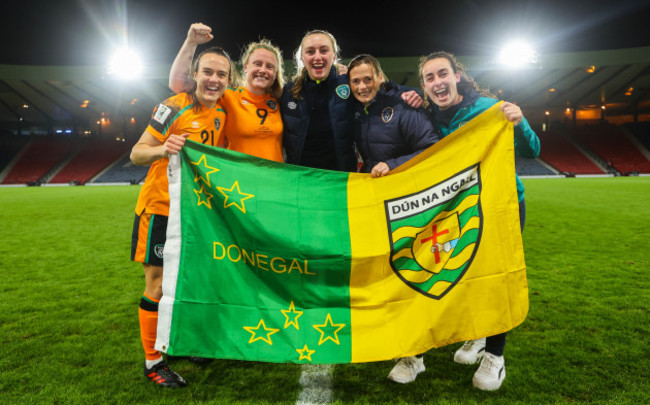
<point>435,233</point>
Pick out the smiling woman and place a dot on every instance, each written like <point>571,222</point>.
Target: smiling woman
<point>455,99</point>
<point>316,108</point>
<point>387,132</point>
<point>365,82</point>
<point>254,125</point>
<point>194,115</point>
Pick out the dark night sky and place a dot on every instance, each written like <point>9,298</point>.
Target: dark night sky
<point>76,32</point>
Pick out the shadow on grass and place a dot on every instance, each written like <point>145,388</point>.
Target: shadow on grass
<point>227,381</point>
<point>443,381</point>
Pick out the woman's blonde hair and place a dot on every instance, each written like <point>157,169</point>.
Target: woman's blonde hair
<point>278,83</point>
<point>301,70</point>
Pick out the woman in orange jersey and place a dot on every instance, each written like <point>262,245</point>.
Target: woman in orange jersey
<point>254,125</point>
<point>195,115</point>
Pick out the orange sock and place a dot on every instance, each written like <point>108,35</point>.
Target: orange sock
<point>148,315</point>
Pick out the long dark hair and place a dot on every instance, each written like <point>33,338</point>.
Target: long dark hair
<point>466,81</point>
<point>217,50</point>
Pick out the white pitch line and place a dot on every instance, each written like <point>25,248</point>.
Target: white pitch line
<point>316,382</point>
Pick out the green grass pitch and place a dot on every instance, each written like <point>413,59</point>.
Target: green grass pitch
<point>69,300</point>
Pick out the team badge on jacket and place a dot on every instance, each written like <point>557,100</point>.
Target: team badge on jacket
<point>387,114</point>
<point>434,234</point>
<point>343,91</point>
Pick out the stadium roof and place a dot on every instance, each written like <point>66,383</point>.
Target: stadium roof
<point>55,51</point>
<point>56,97</point>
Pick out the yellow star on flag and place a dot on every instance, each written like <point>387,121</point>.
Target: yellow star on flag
<point>208,196</point>
<point>269,332</point>
<point>330,330</point>
<point>207,173</point>
<point>305,353</point>
<point>237,196</point>
<point>294,318</point>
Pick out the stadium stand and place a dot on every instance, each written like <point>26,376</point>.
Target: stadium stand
<point>566,158</point>
<point>531,167</point>
<point>38,158</point>
<point>641,131</point>
<point>9,147</point>
<point>95,155</point>
<point>595,149</point>
<point>613,145</point>
<point>123,171</point>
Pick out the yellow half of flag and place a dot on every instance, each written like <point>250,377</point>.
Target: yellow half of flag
<point>476,287</point>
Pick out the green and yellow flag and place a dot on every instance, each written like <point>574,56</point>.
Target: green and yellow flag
<point>274,262</point>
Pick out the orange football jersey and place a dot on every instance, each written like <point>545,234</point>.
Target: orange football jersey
<point>176,115</point>
<point>254,124</point>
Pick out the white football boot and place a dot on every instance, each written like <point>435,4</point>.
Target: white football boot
<point>490,373</point>
<point>471,352</point>
<point>407,369</point>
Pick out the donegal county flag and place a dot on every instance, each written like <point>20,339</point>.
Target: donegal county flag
<point>274,262</point>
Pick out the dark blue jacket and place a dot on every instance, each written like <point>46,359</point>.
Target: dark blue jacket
<point>390,131</point>
<point>296,115</point>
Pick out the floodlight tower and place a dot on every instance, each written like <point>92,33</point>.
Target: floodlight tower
<point>125,64</point>
<point>514,58</point>
<point>517,54</point>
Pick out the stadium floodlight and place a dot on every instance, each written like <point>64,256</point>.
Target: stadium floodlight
<point>517,54</point>
<point>125,64</point>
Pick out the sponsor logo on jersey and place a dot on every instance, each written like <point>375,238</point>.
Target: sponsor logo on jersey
<point>195,124</point>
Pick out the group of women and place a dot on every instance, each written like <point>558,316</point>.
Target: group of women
<point>321,118</point>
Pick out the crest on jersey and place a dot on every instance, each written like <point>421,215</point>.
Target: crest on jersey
<point>271,104</point>
<point>343,91</point>
<point>435,233</point>
<point>387,114</point>
<point>158,250</point>
<point>217,123</point>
